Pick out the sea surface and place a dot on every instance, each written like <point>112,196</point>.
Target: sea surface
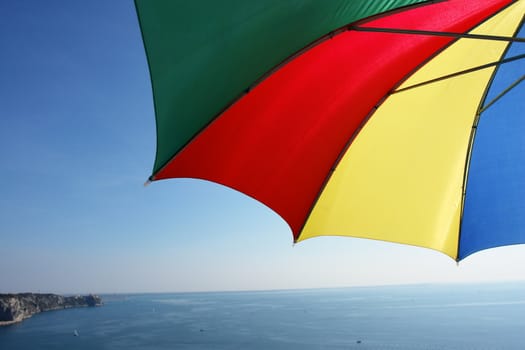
<point>474,316</point>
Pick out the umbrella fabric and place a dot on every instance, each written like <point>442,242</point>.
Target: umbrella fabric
<point>218,49</point>
<point>336,139</point>
<point>494,206</point>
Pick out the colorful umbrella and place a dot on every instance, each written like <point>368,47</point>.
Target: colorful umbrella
<point>352,118</point>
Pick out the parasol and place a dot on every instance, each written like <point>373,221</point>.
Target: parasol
<point>390,120</point>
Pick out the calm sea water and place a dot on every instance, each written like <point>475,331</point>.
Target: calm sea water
<point>401,317</point>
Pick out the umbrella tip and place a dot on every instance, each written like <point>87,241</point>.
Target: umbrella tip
<point>149,180</point>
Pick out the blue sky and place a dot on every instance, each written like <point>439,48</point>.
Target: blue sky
<point>77,142</point>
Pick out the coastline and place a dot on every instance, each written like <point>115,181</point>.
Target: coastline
<point>15,308</point>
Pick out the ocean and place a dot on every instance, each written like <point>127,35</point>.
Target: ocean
<point>454,316</point>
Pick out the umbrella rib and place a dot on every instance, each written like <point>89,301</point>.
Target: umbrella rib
<point>503,93</point>
<point>437,33</point>
<point>462,72</point>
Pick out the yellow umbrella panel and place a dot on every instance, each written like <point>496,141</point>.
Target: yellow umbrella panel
<point>402,177</point>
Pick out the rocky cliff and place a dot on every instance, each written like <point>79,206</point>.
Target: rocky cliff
<point>16,307</point>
